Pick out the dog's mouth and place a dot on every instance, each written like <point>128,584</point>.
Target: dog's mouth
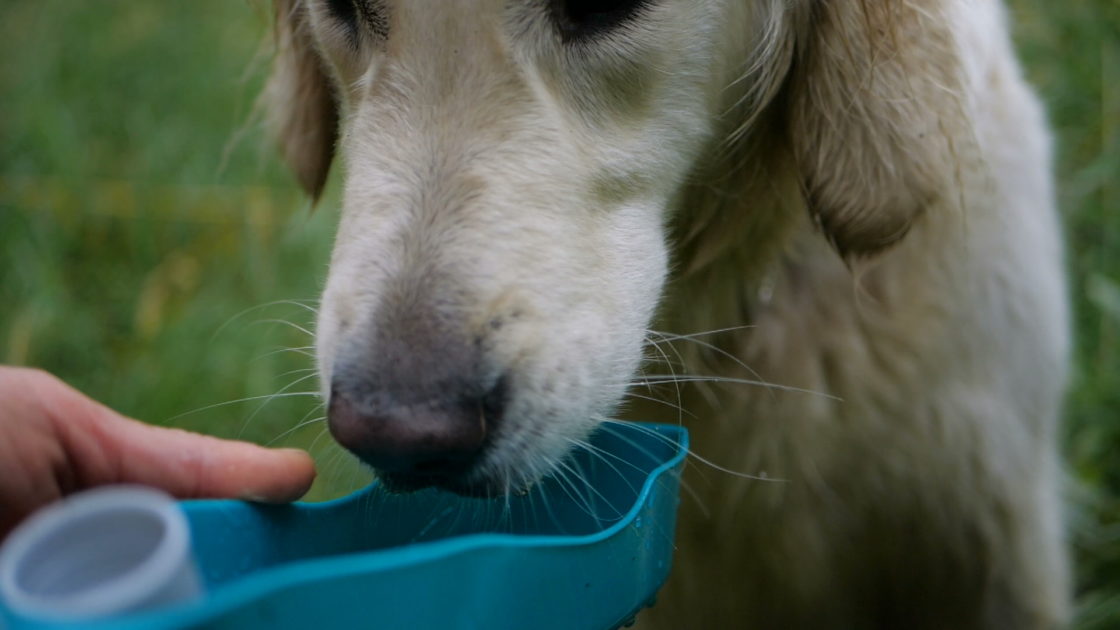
<point>460,484</point>
<point>464,478</point>
<point>453,472</point>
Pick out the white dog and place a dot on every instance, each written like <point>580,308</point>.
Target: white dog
<point>859,189</point>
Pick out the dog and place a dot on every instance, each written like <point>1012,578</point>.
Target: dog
<point>853,197</point>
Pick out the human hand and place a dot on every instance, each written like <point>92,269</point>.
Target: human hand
<point>55,441</point>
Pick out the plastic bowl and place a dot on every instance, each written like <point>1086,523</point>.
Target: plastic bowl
<point>586,549</point>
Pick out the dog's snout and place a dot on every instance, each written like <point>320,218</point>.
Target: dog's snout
<point>416,390</point>
<point>435,439</point>
<point>417,408</point>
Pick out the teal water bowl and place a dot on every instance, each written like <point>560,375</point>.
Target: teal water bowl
<point>585,549</point>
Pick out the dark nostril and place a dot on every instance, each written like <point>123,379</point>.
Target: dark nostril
<point>493,403</point>
<point>440,437</point>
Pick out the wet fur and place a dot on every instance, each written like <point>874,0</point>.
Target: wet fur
<point>866,184</point>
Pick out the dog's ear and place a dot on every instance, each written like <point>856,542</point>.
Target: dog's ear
<point>300,99</point>
<point>875,112</point>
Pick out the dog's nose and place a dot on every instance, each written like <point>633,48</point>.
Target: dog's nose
<point>414,393</point>
<point>435,439</point>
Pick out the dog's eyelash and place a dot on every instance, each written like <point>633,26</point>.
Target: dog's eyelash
<point>355,14</point>
<point>580,20</point>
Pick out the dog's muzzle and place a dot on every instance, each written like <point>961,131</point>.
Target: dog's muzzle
<point>420,411</point>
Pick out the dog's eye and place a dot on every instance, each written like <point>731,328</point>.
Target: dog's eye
<point>583,19</point>
<point>356,14</point>
<point>344,11</point>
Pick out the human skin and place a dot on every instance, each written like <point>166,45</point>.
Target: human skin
<point>55,441</point>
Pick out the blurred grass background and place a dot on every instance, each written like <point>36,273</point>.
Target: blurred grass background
<point>149,241</point>
<point>155,254</point>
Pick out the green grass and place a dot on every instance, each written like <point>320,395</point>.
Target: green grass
<point>144,222</point>
<point>1072,53</point>
<point>147,233</point>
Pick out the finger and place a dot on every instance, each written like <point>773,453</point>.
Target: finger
<point>105,447</point>
<point>190,465</point>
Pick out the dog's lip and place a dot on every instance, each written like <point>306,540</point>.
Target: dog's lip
<point>402,483</point>
<point>456,475</point>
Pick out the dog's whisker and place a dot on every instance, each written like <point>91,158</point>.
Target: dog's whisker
<point>241,400</point>
<point>295,428</point>
<point>694,465</point>
<point>638,425</point>
<point>661,401</point>
<point>302,304</point>
<point>658,355</point>
<point>268,399</point>
<point>703,344</point>
<point>680,398</point>
<point>602,455</point>
<point>667,336</point>
<point>322,432</point>
<point>564,474</point>
<point>307,351</point>
<point>660,379</point>
<point>662,339</point>
<point>691,453</point>
<point>297,371</point>
<point>530,518</point>
<point>505,494</point>
<point>252,309</point>
<point>585,479</point>
<point>606,456</point>
<point>657,358</point>
<point>285,322</point>
<point>547,504</point>
<point>703,388</point>
<point>658,436</point>
<point>331,466</point>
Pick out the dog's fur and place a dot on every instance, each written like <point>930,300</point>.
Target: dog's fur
<point>865,183</point>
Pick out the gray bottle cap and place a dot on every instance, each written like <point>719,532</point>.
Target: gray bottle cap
<point>99,553</point>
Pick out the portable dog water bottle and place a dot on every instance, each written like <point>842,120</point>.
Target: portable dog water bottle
<point>585,549</point>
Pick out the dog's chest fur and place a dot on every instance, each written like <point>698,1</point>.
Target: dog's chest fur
<point>896,479</point>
